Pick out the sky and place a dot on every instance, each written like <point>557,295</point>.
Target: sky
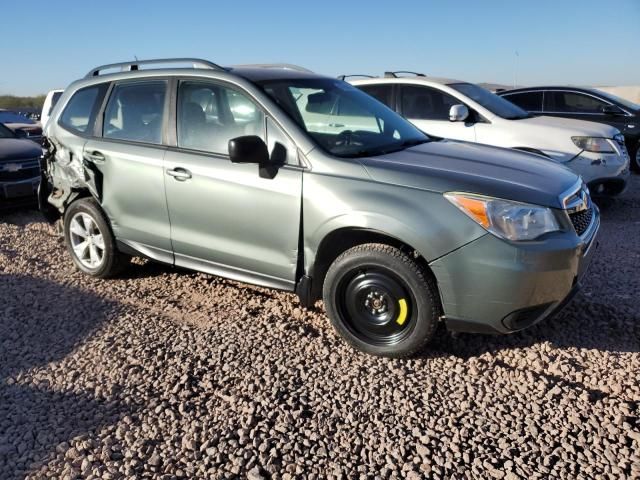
<point>585,42</point>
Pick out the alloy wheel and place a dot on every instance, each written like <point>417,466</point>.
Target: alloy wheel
<point>87,240</point>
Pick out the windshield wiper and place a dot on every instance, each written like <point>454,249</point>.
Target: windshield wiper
<point>518,117</point>
<point>407,144</point>
<point>415,141</point>
<point>370,152</point>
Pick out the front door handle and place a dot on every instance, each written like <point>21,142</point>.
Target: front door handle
<point>180,174</point>
<point>95,157</point>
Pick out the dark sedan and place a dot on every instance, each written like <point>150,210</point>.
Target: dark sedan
<point>19,122</point>
<point>19,168</point>
<point>584,104</point>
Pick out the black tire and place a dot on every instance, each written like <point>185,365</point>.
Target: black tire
<point>112,261</point>
<point>634,156</point>
<point>364,291</point>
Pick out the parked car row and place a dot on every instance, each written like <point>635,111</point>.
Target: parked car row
<point>464,111</point>
<point>287,179</point>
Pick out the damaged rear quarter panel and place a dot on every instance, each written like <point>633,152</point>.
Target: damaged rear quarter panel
<point>69,175</point>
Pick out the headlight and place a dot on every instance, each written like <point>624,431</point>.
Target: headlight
<point>506,219</point>
<point>594,144</point>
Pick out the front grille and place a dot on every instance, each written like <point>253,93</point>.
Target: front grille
<point>23,174</point>
<point>581,220</point>
<point>25,169</point>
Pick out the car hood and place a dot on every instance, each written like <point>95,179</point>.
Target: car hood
<point>446,165</point>
<point>18,149</point>
<point>568,126</point>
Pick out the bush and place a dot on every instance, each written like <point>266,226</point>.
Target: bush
<point>13,102</point>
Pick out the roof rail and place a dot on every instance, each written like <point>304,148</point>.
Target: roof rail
<point>135,65</point>
<point>343,77</point>
<point>285,66</point>
<point>395,74</point>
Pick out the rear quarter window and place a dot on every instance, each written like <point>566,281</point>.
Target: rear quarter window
<point>79,113</point>
<point>529,101</point>
<point>379,92</point>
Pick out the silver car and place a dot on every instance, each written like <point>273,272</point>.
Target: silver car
<point>284,178</point>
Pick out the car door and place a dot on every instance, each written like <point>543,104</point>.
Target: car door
<point>428,109</point>
<point>227,218</point>
<point>127,161</point>
<point>579,105</point>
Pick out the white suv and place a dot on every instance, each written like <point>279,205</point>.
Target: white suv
<point>464,111</point>
<point>49,102</point>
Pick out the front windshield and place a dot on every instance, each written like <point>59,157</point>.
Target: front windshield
<point>622,101</point>
<point>7,116</point>
<point>492,102</point>
<point>343,120</point>
<point>5,132</point>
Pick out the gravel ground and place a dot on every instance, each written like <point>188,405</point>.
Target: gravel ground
<point>170,374</point>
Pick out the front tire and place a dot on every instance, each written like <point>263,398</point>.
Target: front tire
<point>381,301</point>
<point>90,241</point>
<point>635,158</point>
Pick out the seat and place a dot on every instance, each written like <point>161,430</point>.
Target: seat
<point>193,126</point>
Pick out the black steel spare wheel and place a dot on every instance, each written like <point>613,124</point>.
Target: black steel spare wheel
<point>376,306</point>
<point>381,301</point>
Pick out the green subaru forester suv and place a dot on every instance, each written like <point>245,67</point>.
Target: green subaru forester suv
<point>274,175</point>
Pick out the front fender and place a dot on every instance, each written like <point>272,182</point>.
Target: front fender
<point>424,220</point>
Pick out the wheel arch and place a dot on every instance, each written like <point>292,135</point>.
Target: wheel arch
<point>342,239</point>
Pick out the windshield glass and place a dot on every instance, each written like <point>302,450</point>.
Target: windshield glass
<point>343,120</point>
<point>5,132</point>
<point>492,102</point>
<point>621,101</point>
<point>7,116</point>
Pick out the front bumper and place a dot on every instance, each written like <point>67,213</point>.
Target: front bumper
<point>494,286</point>
<point>19,192</point>
<point>605,174</point>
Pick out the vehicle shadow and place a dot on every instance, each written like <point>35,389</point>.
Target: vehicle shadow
<point>41,323</point>
<point>20,215</point>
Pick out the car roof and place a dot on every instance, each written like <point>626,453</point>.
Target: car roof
<point>201,68</point>
<point>263,73</point>
<point>549,87</point>
<point>415,80</point>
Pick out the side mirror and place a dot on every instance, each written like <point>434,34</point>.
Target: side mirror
<point>20,133</point>
<point>458,113</point>
<point>611,110</point>
<point>248,149</point>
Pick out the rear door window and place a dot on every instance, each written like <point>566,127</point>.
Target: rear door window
<point>80,112</point>
<point>382,93</point>
<point>571,102</point>
<point>424,103</point>
<point>135,112</point>
<point>529,101</point>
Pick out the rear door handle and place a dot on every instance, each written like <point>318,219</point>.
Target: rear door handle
<point>95,157</point>
<point>180,174</point>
